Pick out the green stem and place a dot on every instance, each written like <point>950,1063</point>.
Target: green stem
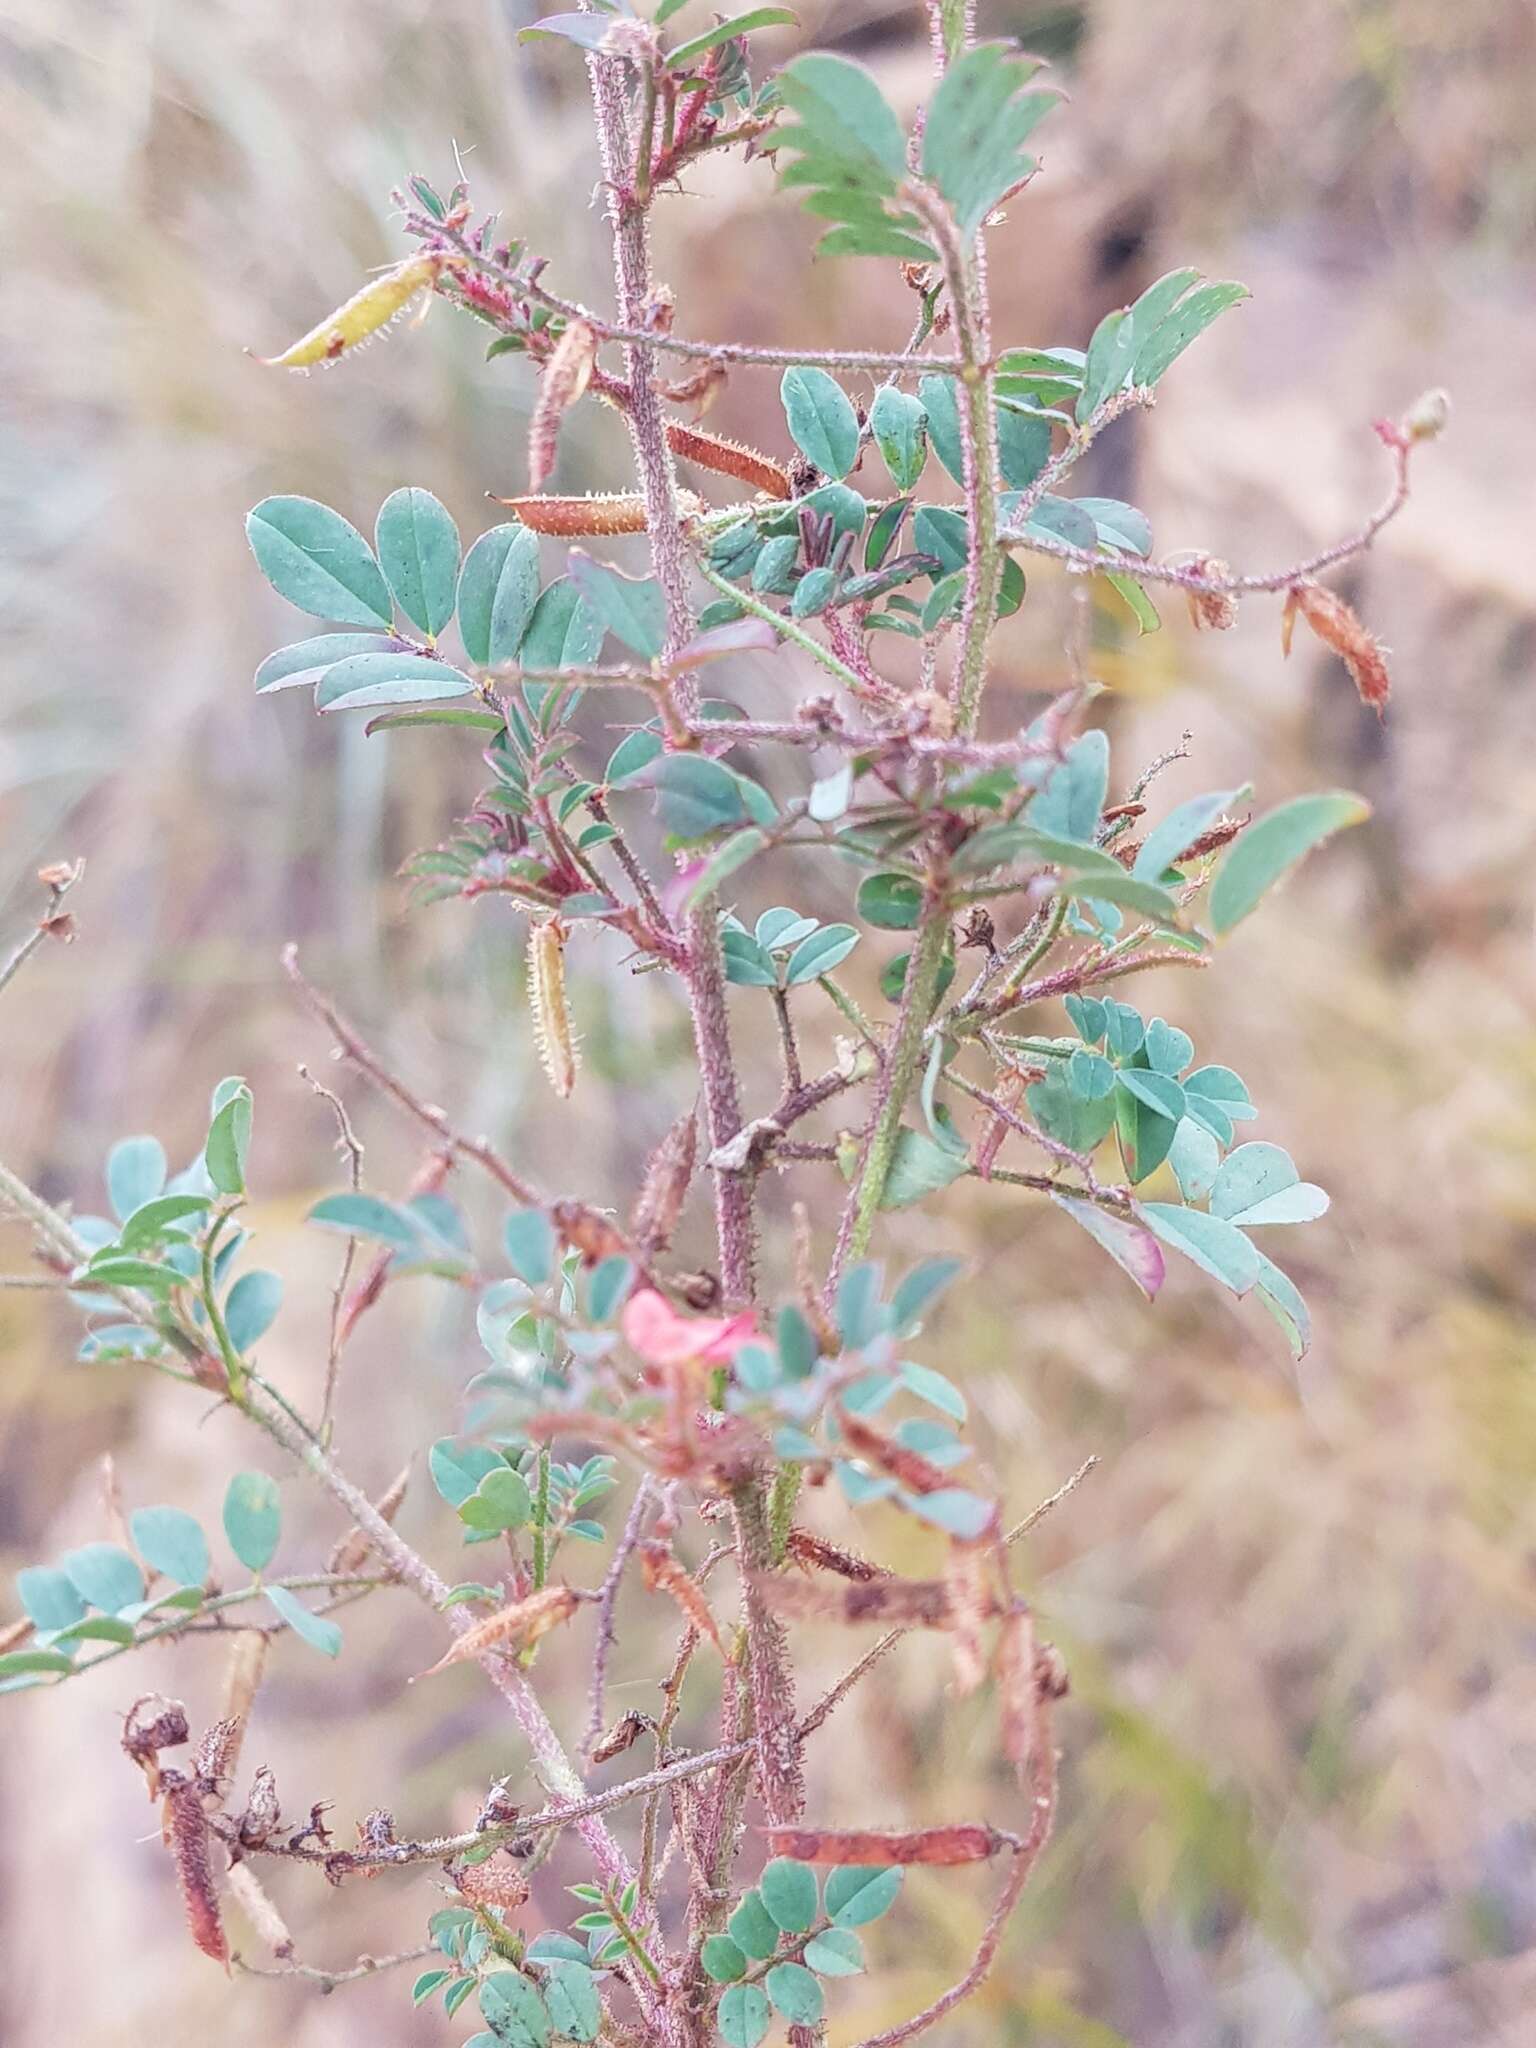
<point>178,1624</point>
<point>541,1523</point>
<point>628,1936</point>
<point>785,627</point>
<point>234,1364</point>
<point>917,1000</point>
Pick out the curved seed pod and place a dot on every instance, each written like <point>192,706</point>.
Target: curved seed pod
<point>1336,625</point>
<point>566,376</point>
<point>729,458</point>
<point>551,1014</point>
<point>517,1627</point>
<point>383,299</point>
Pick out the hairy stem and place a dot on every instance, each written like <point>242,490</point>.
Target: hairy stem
<point>917,999</point>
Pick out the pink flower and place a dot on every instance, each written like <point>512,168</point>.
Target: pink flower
<point>656,1332</point>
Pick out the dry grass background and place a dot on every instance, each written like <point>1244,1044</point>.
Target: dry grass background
<point>1299,1608</point>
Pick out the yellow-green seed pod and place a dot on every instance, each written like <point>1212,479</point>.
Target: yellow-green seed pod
<point>383,299</point>
<point>551,1015</point>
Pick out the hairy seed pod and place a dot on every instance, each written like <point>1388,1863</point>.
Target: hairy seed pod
<point>662,1572</point>
<point>382,300</point>
<point>258,1908</point>
<point>809,1550</point>
<point>968,1577</point>
<point>903,1603</point>
<point>583,517</point>
<point>1336,625</point>
<point>566,376</point>
<point>729,458</point>
<point>516,1627</point>
<point>1013,1667</point>
<point>667,1174</point>
<point>552,1031</point>
<point>184,1827</point>
<point>940,1848</point>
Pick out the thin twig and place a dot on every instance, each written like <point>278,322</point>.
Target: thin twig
<point>329,1980</point>
<point>348,1145</point>
<point>607,1601</point>
<point>368,1062</point>
<point>54,924</point>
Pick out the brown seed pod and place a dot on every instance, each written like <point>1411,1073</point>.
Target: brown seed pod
<point>583,517</point>
<point>1334,623</point>
<point>1013,1667</point>
<point>729,458</point>
<point>566,376</point>
<point>184,1829</point>
<point>1213,609</point>
<point>901,1603</point>
<point>940,1848</point>
<point>662,1572</point>
<point>516,1627</point>
<point>623,1735</point>
<point>665,1188</point>
<point>814,1551</point>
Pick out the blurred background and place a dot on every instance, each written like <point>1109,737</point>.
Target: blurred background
<point>1298,1605</point>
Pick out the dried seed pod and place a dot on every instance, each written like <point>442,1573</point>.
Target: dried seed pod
<point>261,1818</point>
<point>729,458</point>
<point>1213,609</point>
<point>258,1908</point>
<point>184,1829</point>
<point>665,1187</point>
<point>972,1602</point>
<point>143,1739</point>
<point>662,1572</point>
<point>623,1735</point>
<point>242,1679</point>
<point>903,1603</point>
<point>809,1550</point>
<point>1334,623</point>
<point>516,1627</point>
<point>588,1231</point>
<point>214,1758</point>
<point>382,300</point>
<point>566,376</point>
<point>582,517</point>
<point>553,1034</point>
<point>940,1848</point>
<point>915,1472</point>
<point>1013,1667</point>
